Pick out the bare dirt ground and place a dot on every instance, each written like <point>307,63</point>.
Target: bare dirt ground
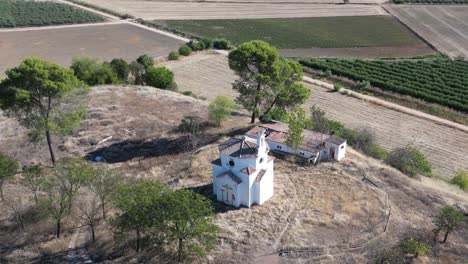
<point>209,75</point>
<point>445,27</point>
<point>156,10</point>
<point>104,42</point>
<point>363,52</point>
<point>326,211</point>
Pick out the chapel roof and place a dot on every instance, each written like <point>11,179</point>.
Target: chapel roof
<point>278,132</point>
<point>238,148</point>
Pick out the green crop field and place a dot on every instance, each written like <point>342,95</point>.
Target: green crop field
<point>440,81</point>
<point>20,13</point>
<point>323,32</point>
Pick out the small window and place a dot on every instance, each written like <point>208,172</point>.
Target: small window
<point>342,147</point>
<point>261,160</point>
<point>231,163</point>
<point>302,153</point>
<point>279,147</point>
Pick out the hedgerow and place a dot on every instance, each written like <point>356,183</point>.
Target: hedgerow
<point>440,81</point>
<point>18,13</point>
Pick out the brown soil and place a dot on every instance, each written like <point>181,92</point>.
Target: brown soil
<point>104,42</point>
<point>327,212</point>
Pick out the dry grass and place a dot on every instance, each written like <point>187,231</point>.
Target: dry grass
<point>165,10</point>
<point>209,75</point>
<point>325,209</point>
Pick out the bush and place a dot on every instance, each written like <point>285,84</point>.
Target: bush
<point>145,60</point>
<point>185,50</point>
<point>220,109</point>
<point>121,68</point>
<point>198,45</point>
<point>337,87</point>
<point>377,152</point>
<point>415,247</point>
<point>461,180</point>
<point>159,77</point>
<point>137,70</point>
<point>410,161</point>
<point>222,44</point>
<point>92,72</point>
<point>173,55</point>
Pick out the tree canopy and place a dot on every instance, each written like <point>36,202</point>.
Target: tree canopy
<point>265,80</point>
<point>220,109</point>
<point>43,97</point>
<point>448,220</point>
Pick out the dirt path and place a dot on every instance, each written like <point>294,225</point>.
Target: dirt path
<point>77,253</point>
<point>209,75</point>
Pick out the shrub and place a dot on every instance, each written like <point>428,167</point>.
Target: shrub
<point>337,87</point>
<point>121,68</point>
<point>410,161</point>
<point>220,109</point>
<point>105,75</point>
<point>415,247</point>
<point>92,72</point>
<point>221,44</point>
<point>198,45</point>
<point>159,77</point>
<point>461,180</point>
<point>377,152</point>
<point>185,50</point>
<point>145,60</point>
<point>137,70</point>
<point>173,55</point>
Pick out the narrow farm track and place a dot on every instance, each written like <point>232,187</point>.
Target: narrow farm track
<point>209,75</point>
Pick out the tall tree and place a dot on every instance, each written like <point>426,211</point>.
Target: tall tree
<point>254,63</point>
<point>138,204</point>
<point>55,203</point>
<point>448,220</point>
<point>188,222</point>
<point>71,175</point>
<point>8,169</point>
<point>296,125</point>
<point>103,185</point>
<point>265,80</point>
<point>89,215</point>
<point>43,97</point>
<point>285,92</point>
<point>33,177</point>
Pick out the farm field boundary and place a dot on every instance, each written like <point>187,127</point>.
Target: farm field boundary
<point>440,81</point>
<point>169,10</point>
<point>444,26</point>
<point>208,74</point>
<point>21,13</point>
<point>306,32</point>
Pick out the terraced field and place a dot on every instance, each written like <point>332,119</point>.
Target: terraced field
<point>167,10</point>
<point>445,27</point>
<point>209,75</point>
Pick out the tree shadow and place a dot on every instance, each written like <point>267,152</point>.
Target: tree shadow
<point>207,191</point>
<point>138,148</point>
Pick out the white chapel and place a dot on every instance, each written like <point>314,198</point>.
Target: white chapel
<point>243,173</point>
